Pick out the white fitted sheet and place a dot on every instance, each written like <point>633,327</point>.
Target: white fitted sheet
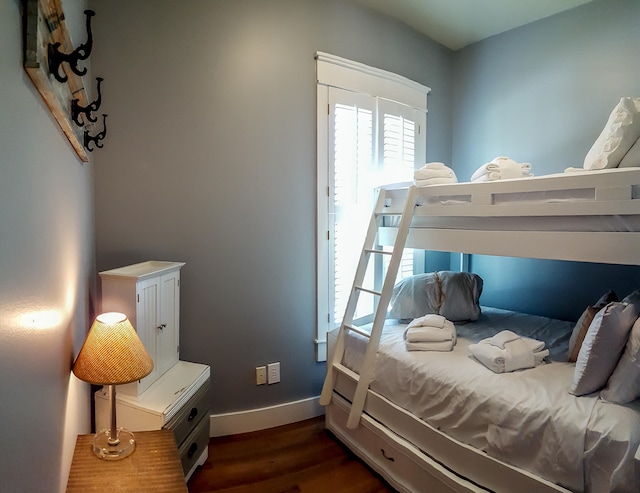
<point>525,418</point>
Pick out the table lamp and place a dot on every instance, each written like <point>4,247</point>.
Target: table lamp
<point>112,355</point>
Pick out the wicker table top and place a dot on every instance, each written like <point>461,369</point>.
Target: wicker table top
<point>154,466</point>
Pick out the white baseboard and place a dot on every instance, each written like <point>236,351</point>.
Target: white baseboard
<point>263,418</point>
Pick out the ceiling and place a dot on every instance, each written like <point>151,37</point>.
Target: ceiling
<point>458,23</point>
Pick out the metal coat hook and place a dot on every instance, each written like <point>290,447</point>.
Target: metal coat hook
<point>77,110</point>
<point>82,52</point>
<point>96,138</point>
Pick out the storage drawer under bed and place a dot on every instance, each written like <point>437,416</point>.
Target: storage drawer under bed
<point>399,462</point>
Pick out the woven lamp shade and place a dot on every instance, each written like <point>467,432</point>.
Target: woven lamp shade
<point>112,354</point>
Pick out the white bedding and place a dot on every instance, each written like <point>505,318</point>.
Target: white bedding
<point>525,418</point>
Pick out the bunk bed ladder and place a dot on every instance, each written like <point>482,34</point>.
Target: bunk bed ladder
<point>370,248</point>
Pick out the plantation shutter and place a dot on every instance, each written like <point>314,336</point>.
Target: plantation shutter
<point>370,132</point>
<point>400,142</point>
<point>351,164</point>
<point>372,142</point>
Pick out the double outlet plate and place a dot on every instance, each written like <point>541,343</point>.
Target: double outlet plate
<point>268,374</point>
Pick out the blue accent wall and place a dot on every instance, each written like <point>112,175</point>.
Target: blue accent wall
<point>542,94</point>
<point>550,287</point>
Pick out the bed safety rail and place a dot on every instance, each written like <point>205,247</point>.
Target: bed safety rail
<point>371,247</point>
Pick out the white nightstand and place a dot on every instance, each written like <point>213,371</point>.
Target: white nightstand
<point>178,401</point>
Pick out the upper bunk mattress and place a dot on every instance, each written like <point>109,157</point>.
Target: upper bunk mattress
<point>525,418</point>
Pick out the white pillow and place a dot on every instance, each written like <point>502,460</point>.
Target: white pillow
<point>632,157</point>
<point>624,384</point>
<point>619,134</point>
<point>602,346</point>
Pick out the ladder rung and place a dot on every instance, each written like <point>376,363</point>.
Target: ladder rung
<point>371,291</point>
<point>358,330</point>
<point>390,212</point>
<point>381,252</point>
<point>343,369</point>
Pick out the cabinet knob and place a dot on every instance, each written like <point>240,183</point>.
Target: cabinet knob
<point>162,326</point>
<point>193,413</point>
<point>192,449</point>
<point>388,457</point>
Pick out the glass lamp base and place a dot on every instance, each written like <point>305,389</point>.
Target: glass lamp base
<point>114,449</point>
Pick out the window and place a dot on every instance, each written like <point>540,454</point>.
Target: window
<point>367,136</point>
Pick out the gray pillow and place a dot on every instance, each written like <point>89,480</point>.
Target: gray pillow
<point>603,345</point>
<point>624,384</point>
<point>454,295</point>
<point>584,322</point>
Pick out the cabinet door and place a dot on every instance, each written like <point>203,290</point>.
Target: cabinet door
<point>148,311</point>
<point>167,334</point>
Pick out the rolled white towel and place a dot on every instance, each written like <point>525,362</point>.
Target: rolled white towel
<point>507,352</point>
<point>501,168</point>
<point>525,168</point>
<point>508,168</point>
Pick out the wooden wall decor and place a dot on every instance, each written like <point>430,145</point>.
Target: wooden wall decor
<point>44,25</point>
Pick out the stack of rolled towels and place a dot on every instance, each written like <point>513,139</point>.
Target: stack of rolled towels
<point>501,168</point>
<point>434,174</point>
<point>507,351</point>
<point>430,333</point>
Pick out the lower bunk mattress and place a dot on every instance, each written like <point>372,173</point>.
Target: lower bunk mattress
<point>526,418</point>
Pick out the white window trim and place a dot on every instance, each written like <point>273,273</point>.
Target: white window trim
<point>346,74</point>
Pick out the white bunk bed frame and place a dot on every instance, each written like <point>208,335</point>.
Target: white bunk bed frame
<point>375,428</point>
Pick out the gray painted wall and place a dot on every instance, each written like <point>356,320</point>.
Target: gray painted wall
<point>212,111</point>
<point>47,271</point>
<point>542,94</point>
<point>211,159</point>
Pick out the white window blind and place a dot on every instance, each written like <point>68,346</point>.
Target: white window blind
<point>364,140</point>
<point>351,132</point>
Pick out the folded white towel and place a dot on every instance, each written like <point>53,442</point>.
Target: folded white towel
<point>436,165</point>
<point>501,168</point>
<point>428,334</point>
<point>430,346</point>
<point>434,181</point>
<point>518,356</point>
<point>430,328</point>
<point>428,320</point>
<point>507,352</point>
<point>501,338</point>
<point>433,174</point>
<point>427,173</point>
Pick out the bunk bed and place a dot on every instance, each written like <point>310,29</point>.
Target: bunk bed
<point>401,426</point>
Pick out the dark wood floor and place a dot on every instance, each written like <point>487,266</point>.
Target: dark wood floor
<point>300,457</point>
